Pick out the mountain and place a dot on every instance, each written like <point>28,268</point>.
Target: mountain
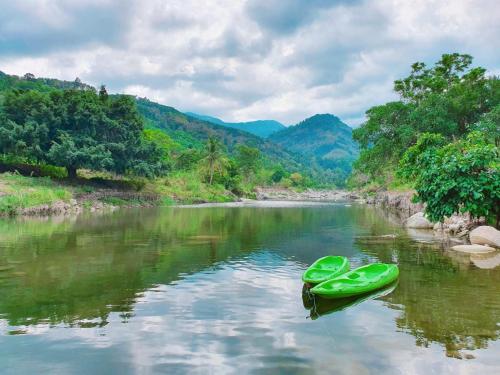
<point>193,132</point>
<point>261,128</point>
<point>323,137</point>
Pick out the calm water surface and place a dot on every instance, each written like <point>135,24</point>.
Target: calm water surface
<point>217,290</point>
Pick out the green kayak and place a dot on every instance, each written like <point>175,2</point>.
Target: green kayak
<point>326,268</point>
<point>361,280</point>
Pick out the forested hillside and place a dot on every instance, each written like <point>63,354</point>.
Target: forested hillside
<point>325,139</point>
<point>261,128</point>
<point>192,132</point>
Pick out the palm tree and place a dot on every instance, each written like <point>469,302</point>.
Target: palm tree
<point>214,158</point>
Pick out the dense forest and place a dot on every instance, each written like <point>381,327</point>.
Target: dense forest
<point>441,138</point>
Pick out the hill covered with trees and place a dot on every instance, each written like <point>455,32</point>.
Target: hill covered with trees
<point>325,139</point>
<point>261,128</point>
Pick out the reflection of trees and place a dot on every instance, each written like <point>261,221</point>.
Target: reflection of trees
<point>81,269</point>
<point>441,302</point>
<point>77,271</point>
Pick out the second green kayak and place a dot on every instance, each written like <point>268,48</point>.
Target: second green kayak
<point>361,280</point>
<point>326,268</point>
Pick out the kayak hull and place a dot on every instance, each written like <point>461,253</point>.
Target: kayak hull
<point>362,280</point>
<point>325,268</point>
<point>322,306</point>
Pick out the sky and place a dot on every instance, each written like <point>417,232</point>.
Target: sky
<point>246,60</point>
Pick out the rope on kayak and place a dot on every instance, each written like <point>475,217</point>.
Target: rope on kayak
<point>315,309</point>
<point>312,297</point>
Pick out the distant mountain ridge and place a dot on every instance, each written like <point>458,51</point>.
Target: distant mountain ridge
<point>323,137</point>
<point>193,132</point>
<point>261,128</point>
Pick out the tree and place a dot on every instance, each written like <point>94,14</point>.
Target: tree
<point>187,158</point>
<point>248,159</point>
<point>448,99</point>
<point>296,179</point>
<point>163,142</point>
<point>460,177</point>
<point>490,125</point>
<point>214,160</point>
<point>278,174</point>
<point>78,129</point>
<point>103,94</point>
<point>29,77</point>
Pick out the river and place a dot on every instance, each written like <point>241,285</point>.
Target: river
<point>215,290</point>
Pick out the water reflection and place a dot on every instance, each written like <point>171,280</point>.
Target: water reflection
<point>186,288</point>
<point>321,306</point>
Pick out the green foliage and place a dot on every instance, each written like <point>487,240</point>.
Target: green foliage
<point>215,162</point>
<point>296,179</point>
<point>248,159</point>
<point>463,176</point>
<point>187,187</point>
<point>451,99</point>
<point>22,192</point>
<point>166,146</point>
<point>261,128</point>
<point>420,155</point>
<point>278,174</point>
<point>187,158</point>
<point>193,133</point>
<point>326,145</point>
<point>490,125</point>
<point>78,129</point>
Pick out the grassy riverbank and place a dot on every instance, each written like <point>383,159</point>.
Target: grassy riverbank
<point>19,192</point>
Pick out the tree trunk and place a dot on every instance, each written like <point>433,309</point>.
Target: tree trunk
<point>72,173</point>
<point>211,173</point>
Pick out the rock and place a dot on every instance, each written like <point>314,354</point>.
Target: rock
<point>485,235</point>
<point>486,261</point>
<point>473,249</point>
<point>419,221</point>
<point>454,228</point>
<point>73,202</point>
<point>421,235</point>
<point>463,233</point>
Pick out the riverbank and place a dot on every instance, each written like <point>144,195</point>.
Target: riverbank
<point>45,196</point>
<point>283,194</point>
<point>411,214</point>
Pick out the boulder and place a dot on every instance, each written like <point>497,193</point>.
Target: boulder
<point>473,249</point>
<point>485,235</point>
<point>419,221</point>
<point>486,261</point>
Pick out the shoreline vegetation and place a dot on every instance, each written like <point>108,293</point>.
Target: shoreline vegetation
<point>44,196</point>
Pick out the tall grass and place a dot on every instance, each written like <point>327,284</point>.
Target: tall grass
<point>19,192</point>
<point>187,187</point>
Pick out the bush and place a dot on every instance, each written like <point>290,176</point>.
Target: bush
<point>460,177</point>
